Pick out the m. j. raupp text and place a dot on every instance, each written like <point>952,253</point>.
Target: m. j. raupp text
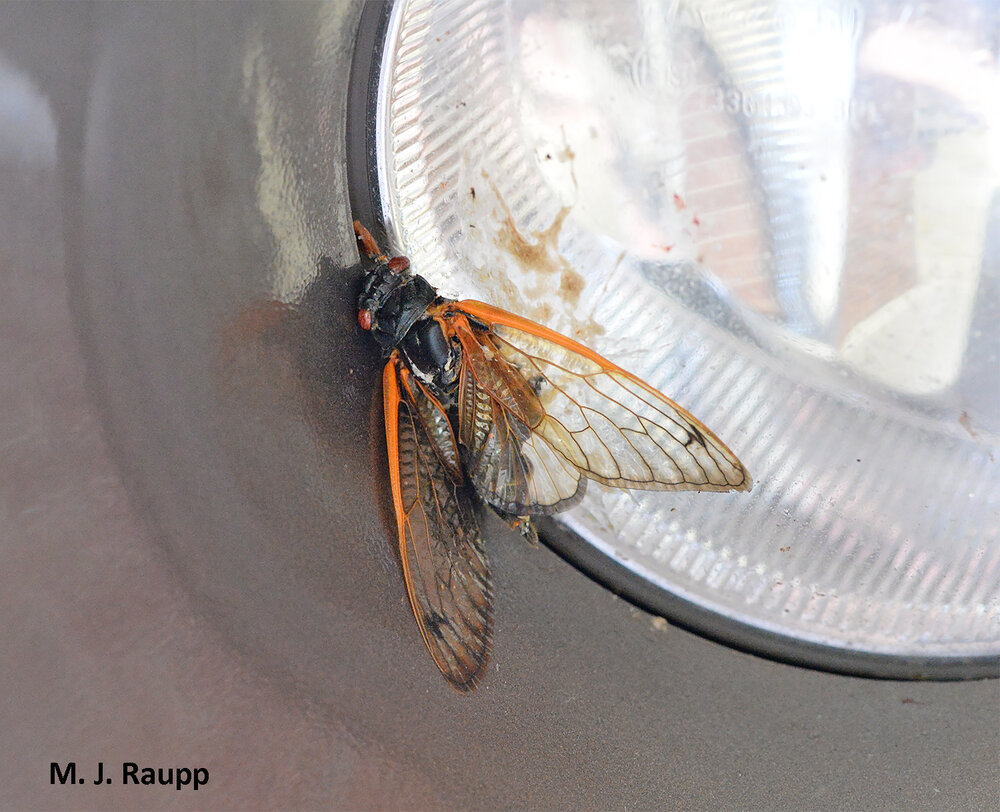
<point>132,773</point>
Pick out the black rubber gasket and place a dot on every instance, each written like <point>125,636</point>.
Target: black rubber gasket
<point>366,206</point>
<point>362,99</point>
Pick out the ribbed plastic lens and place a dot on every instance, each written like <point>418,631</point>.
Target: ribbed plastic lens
<point>783,217</point>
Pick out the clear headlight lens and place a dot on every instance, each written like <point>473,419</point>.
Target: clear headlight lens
<point>786,219</point>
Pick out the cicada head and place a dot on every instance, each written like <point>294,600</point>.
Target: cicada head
<point>392,299</point>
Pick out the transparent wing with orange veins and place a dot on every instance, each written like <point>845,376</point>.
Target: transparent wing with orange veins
<point>593,416</point>
<point>512,467</point>
<point>444,562</point>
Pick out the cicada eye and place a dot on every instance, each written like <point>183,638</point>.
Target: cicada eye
<point>365,319</point>
<point>398,264</point>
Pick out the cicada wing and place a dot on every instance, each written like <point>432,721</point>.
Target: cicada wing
<point>605,422</point>
<point>444,560</point>
<point>513,469</point>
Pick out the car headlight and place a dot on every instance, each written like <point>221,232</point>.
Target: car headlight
<point>787,221</point>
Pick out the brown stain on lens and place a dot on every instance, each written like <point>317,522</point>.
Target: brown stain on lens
<point>966,423</point>
<point>540,251</point>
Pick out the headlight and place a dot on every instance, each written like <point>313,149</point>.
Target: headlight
<point>784,218</point>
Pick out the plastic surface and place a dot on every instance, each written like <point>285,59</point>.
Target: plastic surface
<point>783,217</point>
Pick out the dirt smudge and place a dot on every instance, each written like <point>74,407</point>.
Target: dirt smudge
<point>966,422</point>
<point>539,251</point>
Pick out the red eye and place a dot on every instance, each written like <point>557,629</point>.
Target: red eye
<point>398,264</point>
<point>365,319</point>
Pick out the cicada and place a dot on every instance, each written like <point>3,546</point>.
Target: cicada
<point>481,402</point>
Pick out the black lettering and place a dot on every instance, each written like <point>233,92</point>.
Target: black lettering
<point>62,776</point>
<point>179,777</point>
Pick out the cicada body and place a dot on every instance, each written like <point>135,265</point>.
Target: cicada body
<point>481,402</point>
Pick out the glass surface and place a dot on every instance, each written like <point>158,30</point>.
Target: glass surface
<point>785,217</point>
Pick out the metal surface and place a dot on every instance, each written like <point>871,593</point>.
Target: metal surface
<point>197,563</point>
